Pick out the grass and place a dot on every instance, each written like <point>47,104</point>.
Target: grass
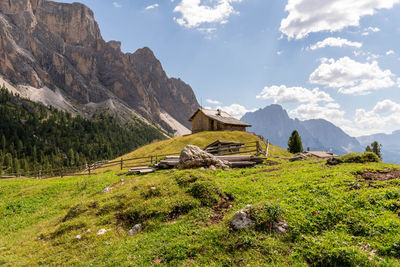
<point>335,218</point>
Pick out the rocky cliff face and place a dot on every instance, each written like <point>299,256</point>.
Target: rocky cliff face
<point>59,46</point>
<point>274,123</point>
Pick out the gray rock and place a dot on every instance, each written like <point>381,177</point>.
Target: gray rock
<point>135,229</point>
<point>78,237</point>
<point>241,220</point>
<point>280,227</point>
<point>195,157</point>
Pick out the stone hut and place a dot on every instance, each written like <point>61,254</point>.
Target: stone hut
<point>215,120</point>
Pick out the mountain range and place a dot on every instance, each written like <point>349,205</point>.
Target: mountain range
<point>274,123</point>
<point>54,53</point>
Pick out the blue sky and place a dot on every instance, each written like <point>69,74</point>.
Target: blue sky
<point>332,59</point>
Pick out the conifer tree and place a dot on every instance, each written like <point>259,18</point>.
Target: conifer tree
<point>294,144</point>
<point>376,148</point>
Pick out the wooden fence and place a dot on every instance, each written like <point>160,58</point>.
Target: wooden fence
<point>254,147</point>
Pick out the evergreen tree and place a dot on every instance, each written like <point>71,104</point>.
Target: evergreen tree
<point>294,144</point>
<point>368,149</point>
<point>376,148</point>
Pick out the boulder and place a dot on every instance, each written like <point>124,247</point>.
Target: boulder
<point>135,229</point>
<point>241,219</point>
<point>195,157</point>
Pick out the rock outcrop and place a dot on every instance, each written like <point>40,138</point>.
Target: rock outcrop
<point>195,157</point>
<point>59,46</point>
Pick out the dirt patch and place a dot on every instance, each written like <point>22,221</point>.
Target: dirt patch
<point>379,175</point>
<point>219,211</point>
<point>271,163</point>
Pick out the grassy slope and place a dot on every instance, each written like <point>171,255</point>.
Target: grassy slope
<point>334,218</point>
<point>201,140</point>
<point>175,145</point>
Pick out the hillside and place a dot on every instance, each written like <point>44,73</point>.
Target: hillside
<point>202,139</point>
<point>274,123</point>
<point>336,216</point>
<point>34,137</point>
<point>54,53</point>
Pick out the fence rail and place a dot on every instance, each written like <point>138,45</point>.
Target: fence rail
<point>95,167</point>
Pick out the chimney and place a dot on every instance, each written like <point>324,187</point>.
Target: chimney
<point>218,112</point>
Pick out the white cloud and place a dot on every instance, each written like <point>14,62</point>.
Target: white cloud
<point>368,30</point>
<point>335,42</point>
<point>194,12</point>
<point>352,77</point>
<point>117,5</point>
<point>307,16</point>
<point>279,53</point>
<point>282,94</point>
<point>236,110</point>
<point>213,102</point>
<point>384,117</point>
<point>151,6</point>
<point>390,52</point>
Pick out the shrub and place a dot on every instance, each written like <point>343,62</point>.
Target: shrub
<point>265,214</point>
<point>206,191</point>
<point>360,157</point>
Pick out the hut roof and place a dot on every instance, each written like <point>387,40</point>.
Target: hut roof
<point>220,116</point>
<point>321,154</point>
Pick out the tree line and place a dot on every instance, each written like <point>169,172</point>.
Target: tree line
<point>34,137</point>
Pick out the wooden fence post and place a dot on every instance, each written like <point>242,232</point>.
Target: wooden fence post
<point>258,148</point>
<point>266,153</point>
<point>151,160</point>
<point>89,168</point>
<point>62,172</point>
<point>122,162</point>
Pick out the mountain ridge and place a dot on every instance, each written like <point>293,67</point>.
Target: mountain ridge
<point>58,46</point>
<point>316,134</point>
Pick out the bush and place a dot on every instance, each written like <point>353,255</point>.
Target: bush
<point>265,214</point>
<point>206,191</point>
<point>360,157</point>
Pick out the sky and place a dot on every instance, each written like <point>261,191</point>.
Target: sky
<point>333,59</point>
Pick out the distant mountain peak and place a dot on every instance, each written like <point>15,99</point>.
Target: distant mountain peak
<point>274,123</point>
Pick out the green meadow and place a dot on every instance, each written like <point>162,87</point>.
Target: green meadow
<point>336,216</point>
